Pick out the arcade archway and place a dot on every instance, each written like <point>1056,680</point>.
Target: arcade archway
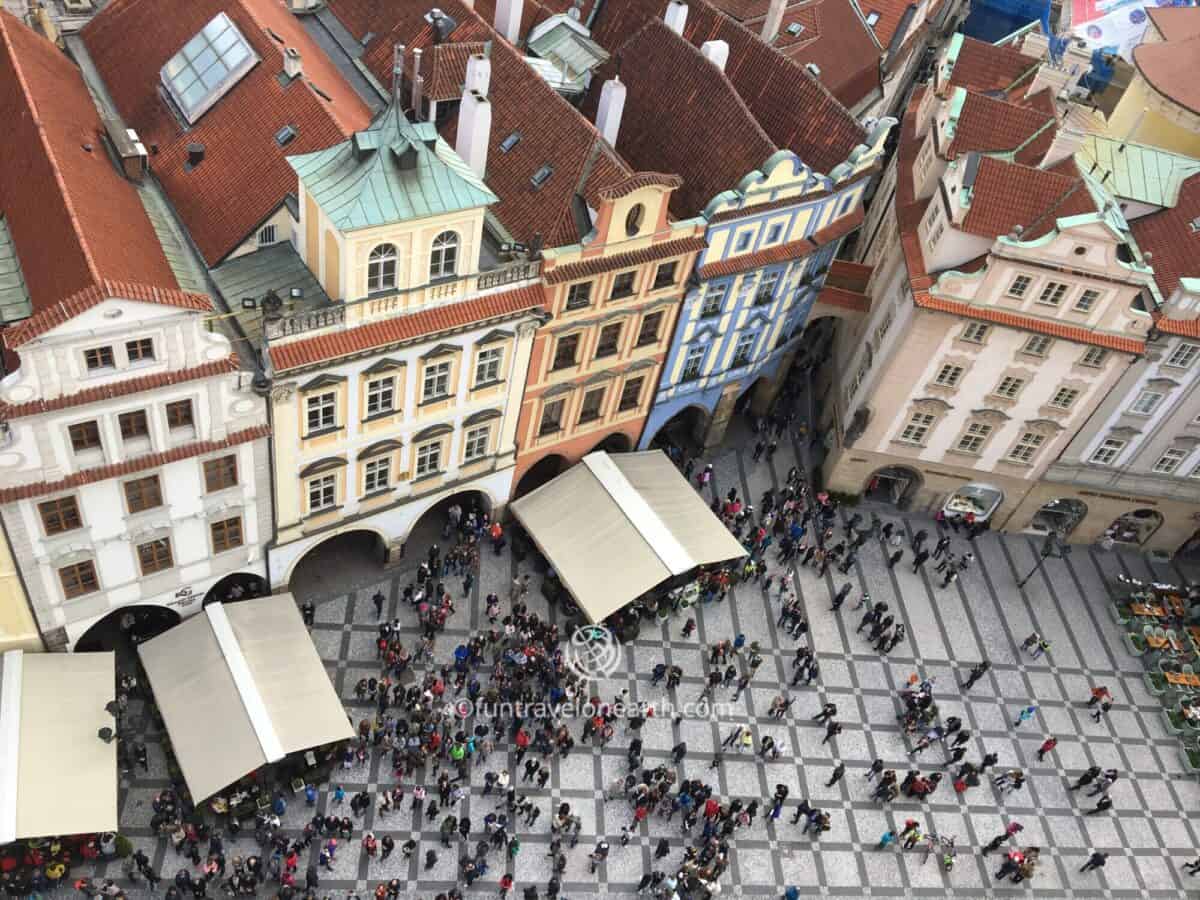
<point>617,442</point>
<point>1060,516</point>
<point>339,561</point>
<point>435,525</point>
<point>540,472</point>
<point>685,430</point>
<point>237,586</point>
<point>126,627</point>
<point>1135,527</point>
<point>897,485</point>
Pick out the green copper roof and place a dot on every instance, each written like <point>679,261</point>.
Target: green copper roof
<point>14,295</point>
<point>1141,173</point>
<point>394,171</point>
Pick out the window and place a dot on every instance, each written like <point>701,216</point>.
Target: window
<point>1038,345</point>
<point>322,492</point>
<point>179,414</point>
<point>85,436</point>
<point>917,428</point>
<point>140,350</point>
<point>1019,286</point>
<point>267,234</point>
<point>974,438</point>
<point>975,332</point>
<point>429,458</point>
<point>133,424</point>
<point>949,375</point>
<point>1170,460</point>
<point>476,443</point>
<point>1009,387</point>
<point>774,233</point>
<point>60,515</point>
<point>885,323</point>
<point>98,358</point>
<point>487,365</point>
<point>377,475</point>
<point>1183,356</point>
<point>381,396</point>
<point>766,290</point>
<point>143,493</point>
<point>743,242</point>
<point>579,295</point>
<point>552,414</point>
<point>714,296</point>
<point>1052,293</point>
<point>78,579</point>
<point>1145,403</point>
<point>872,18</point>
<point>631,394</point>
<point>435,383</point>
<point>648,333</point>
<point>207,67</point>
<point>592,401</point>
<point>1094,357</point>
<point>1026,447</point>
<point>692,363</point>
<point>564,351</point>
<point>155,556</point>
<point>665,275</point>
<point>1064,397</point>
<point>633,219</point>
<point>1106,454</point>
<point>443,258</point>
<point>609,340</point>
<point>1087,300</point>
<point>321,412</point>
<point>934,236</point>
<point>220,473</point>
<point>381,268</point>
<point>743,349</point>
<point>226,534</point>
<point>622,286</point>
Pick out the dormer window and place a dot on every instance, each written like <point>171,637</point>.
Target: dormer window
<point>98,358</point>
<point>140,350</point>
<point>207,67</point>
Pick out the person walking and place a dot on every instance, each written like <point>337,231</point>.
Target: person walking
<point>919,560</point>
<point>1102,805</point>
<point>838,771</point>
<point>828,711</point>
<point>1047,745</point>
<point>1095,861</point>
<point>1024,716</point>
<point>1092,773</point>
<point>977,671</point>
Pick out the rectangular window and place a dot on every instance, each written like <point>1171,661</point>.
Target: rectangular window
<point>1106,454</point>
<point>1064,397</point>
<point>78,579</point>
<point>1183,356</point>
<point>622,286</point>
<point>579,295</point>
<point>1094,357</point>
<point>1019,286</point>
<point>974,438</point>
<point>975,332</point>
<point>552,414</point>
<point>85,436</point>
<point>155,556</point>
<point>917,428</point>
<point>140,350</point>
<point>1037,345</point>
<point>714,296</point>
<point>609,341</point>
<point>429,458</point>
<point>743,349</point>
<point>381,396</point>
<point>143,493</point>
<point>476,443</point>
<point>179,414</point>
<point>435,384</point>
<point>1009,387</point>
<point>693,363</point>
<point>592,401</point>
<point>60,515</point>
<point>377,475</point>
<point>1052,293</point>
<point>1170,460</point>
<point>226,534</point>
<point>322,492</point>
<point>1087,300</point>
<point>885,323</point>
<point>743,242</point>
<point>766,290</point>
<point>321,412</point>
<point>564,351</point>
<point>98,358</point>
<point>133,424</point>
<point>1026,447</point>
<point>664,276</point>
<point>631,394</point>
<point>1145,403</point>
<point>487,365</point>
<point>949,375</point>
<point>648,333</point>
<point>220,473</point>
<point>774,233</point>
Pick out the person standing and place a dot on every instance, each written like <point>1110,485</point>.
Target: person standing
<point>1047,745</point>
<point>977,672</point>
<point>919,559</point>
<point>838,771</point>
<point>1095,861</point>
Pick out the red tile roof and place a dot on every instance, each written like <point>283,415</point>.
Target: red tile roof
<point>406,25</point>
<point>891,14</point>
<point>1184,328</point>
<point>1008,194</point>
<point>244,176</point>
<point>1175,23</point>
<point>74,219</point>
<point>849,275</point>
<point>1170,68</point>
<point>536,11</point>
<point>987,124</point>
<point>784,252</point>
<point>844,299</point>
<point>986,67</point>
<point>120,389</point>
<point>445,68</point>
<point>1168,235</point>
<point>51,317</point>
<point>597,264</point>
<point>129,466</point>
<point>404,329</point>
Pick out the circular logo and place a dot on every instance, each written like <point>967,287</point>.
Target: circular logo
<point>593,652</point>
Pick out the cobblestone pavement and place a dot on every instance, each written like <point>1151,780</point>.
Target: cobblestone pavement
<point>984,615</point>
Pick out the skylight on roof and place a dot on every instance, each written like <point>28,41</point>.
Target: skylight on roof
<point>794,29</point>
<point>541,176</point>
<point>509,142</point>
<point>206,68</point>
<point>872,18</point>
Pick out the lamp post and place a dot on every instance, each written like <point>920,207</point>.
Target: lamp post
<point>1052,546</point>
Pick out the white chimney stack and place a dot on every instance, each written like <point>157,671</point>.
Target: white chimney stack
<point>770,26</point>
<point>474,130</point>
<point>479,74</point>
<point>508,19</point>
<point>418,83</point>
<point>716,52</point>
<point>291,63</point>
<point>676,15</point>
<point>612,104</point>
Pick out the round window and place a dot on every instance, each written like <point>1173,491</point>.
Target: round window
<point>633,221</point>
<point>1080,251</point>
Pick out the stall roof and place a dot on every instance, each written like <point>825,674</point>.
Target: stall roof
<point>56,776</point>
<point>614,527</point>
<point>239,686</point>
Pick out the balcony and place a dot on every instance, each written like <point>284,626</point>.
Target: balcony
<point>302,322</point>
<point>510,274</point>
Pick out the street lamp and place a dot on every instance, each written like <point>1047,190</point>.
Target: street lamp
<point>1052,546</point>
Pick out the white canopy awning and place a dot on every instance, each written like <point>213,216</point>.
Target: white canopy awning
<point>57,777</point>
<point>614,527</point>
<point>241,685</point>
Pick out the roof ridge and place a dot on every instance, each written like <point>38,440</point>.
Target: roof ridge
<point>1078,182</point>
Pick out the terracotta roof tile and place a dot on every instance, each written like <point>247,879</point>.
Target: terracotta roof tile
<point>1184,328</point>
<point>987,124</point>
<point>844,299</point>
<point>985,67</point>
<point>120,389</point>
<point>598,264</point>
<point>130,466</point>
<point>1168,235</point>
<point>445,68</point>
<point>1175,23</point>
<point>849,275</point>
<point>1170,68</point>
<point>74,219</point>
<point>244,176</point>
<point>408,26</point>
<point>403,329</point>
<point>1007,194</point>
<point>891,14</point>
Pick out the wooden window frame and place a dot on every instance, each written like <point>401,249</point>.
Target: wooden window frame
<point>220,534</point>
<point>140,488</point>
<point>220,466</point>
<point>61,511</point>
<point>82,574</point>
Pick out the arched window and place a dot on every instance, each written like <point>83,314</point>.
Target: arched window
<point>381,268</point>
<point>443,260</point>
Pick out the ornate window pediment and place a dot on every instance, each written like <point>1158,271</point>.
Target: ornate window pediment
<point>932,405</point>
<point>431,432</point>
<point>494,336</point>
<point>1047,427</point>
<point>991,416</point>
<point>380,447</point>
<point>325,380</point>
<point>387,364</point>
<point>485,415</point>
<point>327,464</point>
<point>1125,432</point>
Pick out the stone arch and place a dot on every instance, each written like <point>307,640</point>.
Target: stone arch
<point>1135,527</point>
<point>897,485</point>
<point>123,628</point>
<point>359,542</point>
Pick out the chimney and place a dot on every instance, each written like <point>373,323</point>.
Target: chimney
<point>814,70</point>
<point>612,104</point>
<point>291,63</point>
<point>418,84</point>
<point>474,130</point>
<point>195,154</point>
<point>135,161</point>
<point>716,52</point>
<point>676,15</point>
<point>397,75</point>
<point>508,19</point>
<point>770,26</point>
<point>1066,142</point>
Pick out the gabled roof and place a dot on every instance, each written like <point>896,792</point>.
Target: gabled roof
<point>72,218</point>
<point>445,68</point>
<point>394,171</point>
<point>1136,171</point>
<point>986,125</point>
<point>1170,68</point>
<point>1168,235</point>
<point>1006,195</point>
<point>1175,23</point>
<point>244,176</point>
<point>987,67</point>
<point>404,23</point>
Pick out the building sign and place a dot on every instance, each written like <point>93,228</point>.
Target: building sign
<point>185,596</point>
